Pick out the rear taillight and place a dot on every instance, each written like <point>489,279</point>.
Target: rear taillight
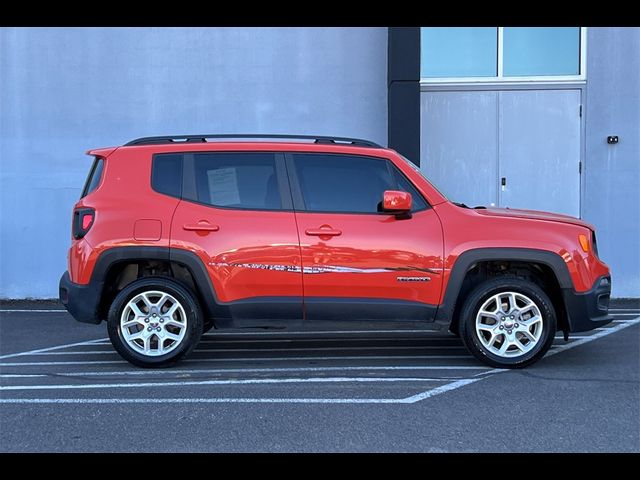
<point>82,221</point>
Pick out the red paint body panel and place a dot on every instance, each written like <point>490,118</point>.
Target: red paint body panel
<point>467,229</point>
<point>119,203</point>
<point>397,200</point>
<point>378,249</point>
<point>239,253</point>
<point>264,253</point>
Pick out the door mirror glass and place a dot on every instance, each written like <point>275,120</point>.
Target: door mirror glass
<point>396,202</point>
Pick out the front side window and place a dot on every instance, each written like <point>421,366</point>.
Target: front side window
<point>236,180</point>
<point>348,183</point>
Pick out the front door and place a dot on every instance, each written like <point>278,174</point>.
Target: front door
<point>359,263</point>
<point>236,215</point>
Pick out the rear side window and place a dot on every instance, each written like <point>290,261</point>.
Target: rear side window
<point>348,183</point>
<point>237,180</point>
<point>94,177</point>
<point>166,174</point>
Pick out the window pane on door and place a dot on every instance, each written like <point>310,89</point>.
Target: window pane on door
<point>530,51</point>
<point>237,180</point>
<point>458,52</point>
<point>342,183</point>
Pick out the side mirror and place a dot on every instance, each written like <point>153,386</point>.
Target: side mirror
<point>397,203</point>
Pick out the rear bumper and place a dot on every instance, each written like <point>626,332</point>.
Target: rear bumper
<point>588,310</point>
<point>81,301</point>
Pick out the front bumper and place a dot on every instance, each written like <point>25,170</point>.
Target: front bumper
<point>588,310</point>
<point>81,301</point>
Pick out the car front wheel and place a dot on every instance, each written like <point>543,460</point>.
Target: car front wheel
<point>508,322</point>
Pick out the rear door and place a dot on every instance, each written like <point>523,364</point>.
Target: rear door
<point>236,215</point>
<point>358,263</point>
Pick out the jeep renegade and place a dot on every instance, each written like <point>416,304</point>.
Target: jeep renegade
<point>173,236</point>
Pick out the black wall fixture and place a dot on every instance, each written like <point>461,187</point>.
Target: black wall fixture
<point>403,81</point>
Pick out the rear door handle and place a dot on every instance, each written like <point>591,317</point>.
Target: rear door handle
<point>321,232</point>
<point>201,227</point>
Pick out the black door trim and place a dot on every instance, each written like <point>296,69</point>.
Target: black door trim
<point>346,309</point>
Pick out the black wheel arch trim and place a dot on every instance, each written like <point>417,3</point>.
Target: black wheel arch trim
<point>467,259</point>
<point>212,307</point>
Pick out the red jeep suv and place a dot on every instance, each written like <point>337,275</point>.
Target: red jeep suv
<point>174,236</point>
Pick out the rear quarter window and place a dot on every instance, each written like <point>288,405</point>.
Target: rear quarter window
<point>94,177</point>
<point>166,174</point>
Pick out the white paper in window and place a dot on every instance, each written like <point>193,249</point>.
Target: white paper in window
<point>223,186</point>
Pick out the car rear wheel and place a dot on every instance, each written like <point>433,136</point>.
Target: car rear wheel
<point>154,322</point>
<point>508,322</point>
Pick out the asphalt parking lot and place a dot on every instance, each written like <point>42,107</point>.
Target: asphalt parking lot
<point>64,389</point>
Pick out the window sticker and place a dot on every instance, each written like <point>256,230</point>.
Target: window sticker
<point>223,186</point>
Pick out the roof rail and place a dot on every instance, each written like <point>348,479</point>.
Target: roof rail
<point>203,139</point>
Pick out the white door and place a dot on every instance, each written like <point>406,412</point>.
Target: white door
<point>539,150</point>
<point>474,141</point>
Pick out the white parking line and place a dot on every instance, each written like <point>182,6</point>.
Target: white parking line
<point>408,400</point>
<point>79,352</point>
<point>249,381</point>
<point>20,310</point>
<point>117,401</point>
<point>245,359</point>
<point>601,333</point>
<point>258,350</point>
<point>44,364</point>
<point>49,349</point>
<point>154,373</point>
<point>443,389</point>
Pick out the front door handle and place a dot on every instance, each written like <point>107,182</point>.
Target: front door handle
<point>201,227</point>
<point>321,232</point>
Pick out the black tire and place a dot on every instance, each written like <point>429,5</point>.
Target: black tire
<point>483,292</point>
<point>182,295</point>
<point>207,325</point>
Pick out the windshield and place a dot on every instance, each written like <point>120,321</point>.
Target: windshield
<point>417,170</point>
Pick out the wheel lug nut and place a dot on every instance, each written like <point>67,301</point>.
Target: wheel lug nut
<point>156,315</point>
<point>508,331</point>
<point>149,329</point>
<point>161,320</point>
<point>512,317</point>
<point>503,319</point>
<point>501,327</point>
<point>516,325</point>
<point>146,320</point>
<point>158,329</point>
